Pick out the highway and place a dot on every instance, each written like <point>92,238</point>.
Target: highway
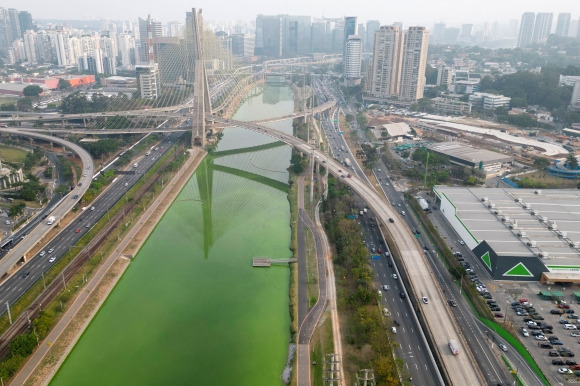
<point>23,247</point>
<point>16,285</point>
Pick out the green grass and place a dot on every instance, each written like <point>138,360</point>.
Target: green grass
<point>11,154</point>
<point>321,344</point>
<point>516,344</point>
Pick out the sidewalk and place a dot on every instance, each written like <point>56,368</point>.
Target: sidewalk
<point>45,361</point>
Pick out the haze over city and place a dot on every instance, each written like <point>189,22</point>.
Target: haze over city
<point>416,12</point>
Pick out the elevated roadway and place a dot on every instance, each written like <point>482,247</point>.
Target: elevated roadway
<point>23,248</point>
<point>459,368</point>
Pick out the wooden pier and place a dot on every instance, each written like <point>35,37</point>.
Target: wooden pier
<point>266,262</point>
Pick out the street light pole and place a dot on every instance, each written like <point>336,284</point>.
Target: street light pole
<point>9,315</point>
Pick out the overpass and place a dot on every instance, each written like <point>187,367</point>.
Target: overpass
<point>21,250</point>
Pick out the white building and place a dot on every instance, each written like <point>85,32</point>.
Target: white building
<point>148,76</point>
<point>353,59</point>
<point>490,101</point>
<point>415,44</point>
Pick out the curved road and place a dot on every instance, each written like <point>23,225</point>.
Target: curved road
<point>22,248</point>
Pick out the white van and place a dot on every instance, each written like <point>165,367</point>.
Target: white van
<point>394,329</point>
<point>403,213</point>
<point>135,165</point>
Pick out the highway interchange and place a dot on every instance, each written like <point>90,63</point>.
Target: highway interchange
<point>17,284</point>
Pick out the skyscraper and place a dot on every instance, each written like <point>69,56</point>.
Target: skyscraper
<point>352,60</point>
<point>542,27</point>
<point>415,45</point>
<point>145,26</point>
<point>438,33</point>
<point>526,30</point>
<point>372,27</point>
<point>399,61</point>
<point>350,30</point>
<point>386,67</point>
<point>563,24</point>
<point>25,21</point>
<point>268,36</point>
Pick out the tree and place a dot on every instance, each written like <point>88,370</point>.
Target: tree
<point>63,84</point>
<point>16,209</point>
<point>32,91</point>
<point>572,161</point>
<point>24,104</point>
<point>541,163</point>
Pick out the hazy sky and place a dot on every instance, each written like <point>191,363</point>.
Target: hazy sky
<point>418,12</point>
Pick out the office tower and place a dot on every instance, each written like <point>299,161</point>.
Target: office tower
<point>146,28</point>
<point>127,50</point>
<point>350,30</point>
<point>30,46</point>
<point>415,45</point>
<point>148,80</point>
<point>385,73</point>
<point>268,36</point>
<point>563,24</point>
<point>352,60</point>
<point>5,29</point>
<point>174,29</point>
<point>25,21</point>
<point>362,33</point>
<point>526,30</point>
<point>451,35</point>
<point>444,76</point>
<point>372,27</point>
<point>542,27</point>
<point>438,33</point>
<point>465,34</point>
<point>296,35</point>
<point>243,45</point>
<point>320,36</point>
<point>16,33</point>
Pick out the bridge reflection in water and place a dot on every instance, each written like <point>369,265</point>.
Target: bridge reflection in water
<point>201,189</point>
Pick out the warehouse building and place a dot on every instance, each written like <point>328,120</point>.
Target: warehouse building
<point>462,154</point>
<point>518,234</point>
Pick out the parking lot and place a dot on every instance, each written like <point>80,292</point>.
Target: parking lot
<point>552,326</point>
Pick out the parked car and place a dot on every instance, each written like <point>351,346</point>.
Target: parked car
<point>558,362</point>
<point>525,332</point>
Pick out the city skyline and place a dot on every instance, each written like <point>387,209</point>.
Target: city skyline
<point>451,12</point>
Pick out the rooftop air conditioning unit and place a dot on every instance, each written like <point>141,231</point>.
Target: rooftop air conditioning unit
<point>563,234</point>
<point>553,226</point>
<point>544,219</point>
<point>544,255</point>
<point>538,191</point>
<point>535,212</point>
<point>528,206</point>
<point>514,225</point>
<point>518,199</point>
<point>575,244</point>
<point>491,205</point>
<point>521,233</point>
<point>532,243</point>
<point>484,199</point>
<point>505,219</point>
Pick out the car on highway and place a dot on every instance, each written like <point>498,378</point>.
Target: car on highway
<point>92,208</point>
<point>88,225</point>
<point>452,303</point>
<point>502,347</point>
<point>126,184</point>
<point>402,294</point>
<point>51,250</point>
<point>75,196</point>
<point>425,300</point>
<point>391,220</point>
<point>461,242</point>
<point>52,259</point>
<point>84,174</point>
<point>25,274</point>
<point>395,276</point>
<point>42,253</point>
<point>78,230</point>
<point>386,287</point>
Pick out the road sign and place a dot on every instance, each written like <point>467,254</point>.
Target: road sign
<point>351,216</point>
<point>375,257</point>
<point>341,132</point>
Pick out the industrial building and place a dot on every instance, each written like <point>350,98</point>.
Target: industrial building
<point>518,234</point>
<point>462,154</point>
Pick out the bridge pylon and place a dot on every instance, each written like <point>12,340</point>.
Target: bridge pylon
<point>201,98</point>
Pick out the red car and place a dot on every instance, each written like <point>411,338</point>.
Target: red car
<point>379,250</point>
<point>498,315</point>
<point>78,230</point>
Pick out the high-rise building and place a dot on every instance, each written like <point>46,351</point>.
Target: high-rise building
<point>148,80</point>
<point>30,46</point>
<point>563,24</point>
<point>399,61</point>
<point>350,31</point>
<point>5,29</point>
<point>575,101</point>
<point>415,45</point>
<point>296,35</point>
<point>352,60</point>
<point>438,33</point>
<point>25,21</point>
<point>243,45</point>
<point>466,33</point>
<point>372,27</point>
<point>148,30</point>
<point>451,35</point>
<point>268,36</point>
<point>542,27</point>
<point>14,24</point>
<point>385,73</point>
<point>127,50</point>
<point>526,30</point>
<point>444,76</point>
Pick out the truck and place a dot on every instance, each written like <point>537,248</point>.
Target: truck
<point>50,220</point>
<point>347,162</point>
<point>454,347</point>
<point>424,205</point>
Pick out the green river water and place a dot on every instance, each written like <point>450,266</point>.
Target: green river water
<point>190,309</point>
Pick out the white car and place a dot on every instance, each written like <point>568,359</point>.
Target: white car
<point>503,347</point>
<point>540,337</point>
<point>531,323</point>
<point>42,253</point>
<point>461,242</point>
<point>386,287</point>
<point>576,334</point>
<point>425,300</point>
<point>525,332</point>
<point>564,370</point>
<point>395,276</point>
<point>570,327</point>
<point>52,259</point>
<point>92,208</point>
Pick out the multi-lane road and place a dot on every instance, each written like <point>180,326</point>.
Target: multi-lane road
<point>16,285</point>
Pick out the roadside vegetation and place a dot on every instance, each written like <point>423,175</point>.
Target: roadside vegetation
<point>369,342</point>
